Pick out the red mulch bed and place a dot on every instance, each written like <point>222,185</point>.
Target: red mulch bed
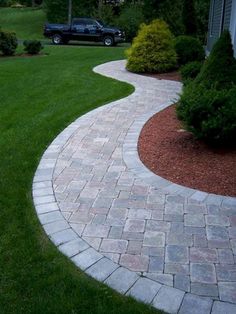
<point>172,153</point>
<point>172,76</point>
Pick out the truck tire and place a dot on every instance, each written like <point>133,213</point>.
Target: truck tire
<point>108,41</point>
<point>57,39</point>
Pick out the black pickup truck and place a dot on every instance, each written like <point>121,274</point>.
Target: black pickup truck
<point>84,29</point>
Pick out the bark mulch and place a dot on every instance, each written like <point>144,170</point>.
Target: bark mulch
<point>170,152</point>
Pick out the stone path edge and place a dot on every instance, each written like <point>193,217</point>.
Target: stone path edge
<point>94,263</point>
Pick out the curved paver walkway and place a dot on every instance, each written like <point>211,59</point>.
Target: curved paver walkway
<point>160,242</point>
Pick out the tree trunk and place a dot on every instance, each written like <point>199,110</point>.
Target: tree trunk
<point>70,12</point>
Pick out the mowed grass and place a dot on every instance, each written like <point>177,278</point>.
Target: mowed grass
<point>39,97</point>
<point>26,22</point>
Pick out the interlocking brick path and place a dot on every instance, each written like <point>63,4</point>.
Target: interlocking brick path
<point>160,242</point>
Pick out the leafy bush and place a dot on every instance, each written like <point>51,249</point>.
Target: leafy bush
<point>209,114</point>
<point>153,49</point>
<point>188,49</point>
<point>33,47</point>
<point>8,43</point>
<point>219,70</point>
<point>130,19</point>
<point>190,70</point>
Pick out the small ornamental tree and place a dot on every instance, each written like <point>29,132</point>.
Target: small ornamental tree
<point>152,50</point>
<point>219,69</point>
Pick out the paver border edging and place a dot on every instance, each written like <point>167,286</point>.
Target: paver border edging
<point>80,252</point>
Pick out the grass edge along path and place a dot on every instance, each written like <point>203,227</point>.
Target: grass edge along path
<point>39,97</point>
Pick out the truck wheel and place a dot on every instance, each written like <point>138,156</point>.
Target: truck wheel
<point>57,39</point>
<point>108,41</point>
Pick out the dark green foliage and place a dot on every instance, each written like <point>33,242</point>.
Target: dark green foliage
<point>104,13</point>
<point>33,47</point>
<point>8,43</point>
<point>190,71</point>
<point>171,12</point>
<point>152,50</point>
<point>188,49</point>
<point>57,10</point>
<point>130,19</point>
<point>219,69</point>
<point>202,14</point>
<point>5,3</point>
<point>209,114</point>
<point>189,17</point>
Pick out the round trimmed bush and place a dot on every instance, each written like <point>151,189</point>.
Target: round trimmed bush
<point>188,49</point>
<point>152,50</point>
<point>33,47</point>
<point>209,114</point>
<point>8,43</point>
<point>190,71</point>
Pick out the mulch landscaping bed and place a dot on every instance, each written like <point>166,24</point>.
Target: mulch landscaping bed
<point>172,153</point>
<point>172,76</point>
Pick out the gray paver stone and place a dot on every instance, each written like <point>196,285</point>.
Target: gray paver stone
<point>203,273</point>
<point>122,279</point>
<point>177,254</point>
<point>114,246</point>
<point>168,299</point>
<point>203,255</point>
<point>204,289</point>
<point>86,258</point>
<point>223,308</point>
<point>134,262</point>
<point>56,226</point>
<point>154,238</point>
<point>102,269</point>
<point>193,220</point>
<point>144,290</point>
<point>227,291</point>
<point>73,247</point>
<point>63,236</point>
<point>195,305</point>
<point>134,225</point>
<point>182,282</point>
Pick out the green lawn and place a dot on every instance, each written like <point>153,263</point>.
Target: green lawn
<point>27,23</point>
<point>39,97</point>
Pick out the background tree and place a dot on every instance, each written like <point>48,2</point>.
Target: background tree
<point>189,17</point>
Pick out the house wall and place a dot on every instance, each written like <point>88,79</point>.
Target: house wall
<point>222,16</point>
<point>233,25</point>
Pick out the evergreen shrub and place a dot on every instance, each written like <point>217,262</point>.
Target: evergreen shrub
<point>190,70</point>
<point>207,106</point>
<point>33,47</point>
<point>8,43</point>
<point>188,49</point>
<point>152,50</point>
<point>219,70</point>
